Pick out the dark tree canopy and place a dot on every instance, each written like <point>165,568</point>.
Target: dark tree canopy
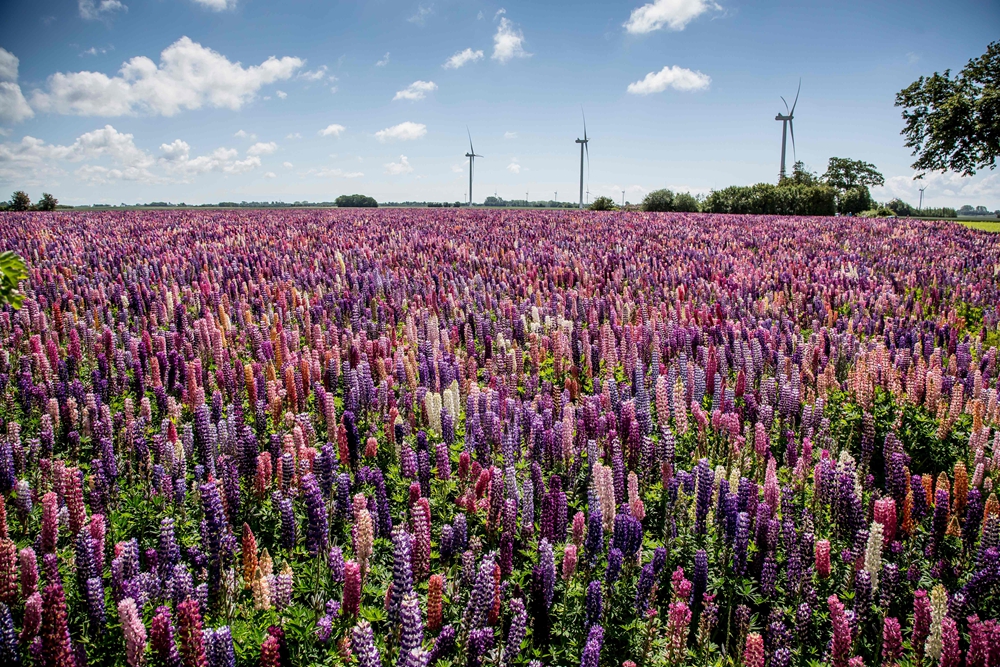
<point>603,204</point>
<point>844,173</point>
<point>658,201</point>
<point>47,202</point>
<point>356,201</point>
<point>20,201</point>
<point>953,124</point>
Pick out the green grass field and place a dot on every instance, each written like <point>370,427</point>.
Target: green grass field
<point>983,225</point>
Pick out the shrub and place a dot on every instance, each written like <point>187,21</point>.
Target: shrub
<point>658,201</point>
<point>356,201</point>
<point>854,200</point>
<point>603,204</point>
<point>685,202</point>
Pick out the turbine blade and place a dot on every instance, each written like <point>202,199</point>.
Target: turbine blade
<point>786,104</point>
<point>792,113</point>
<point>584,123</point>
<point>471,150</point>
<point>791,128</point>
<point>586,148</point>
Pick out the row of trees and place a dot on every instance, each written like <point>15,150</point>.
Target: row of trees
<point>20,201</point>
<point>842,189</point>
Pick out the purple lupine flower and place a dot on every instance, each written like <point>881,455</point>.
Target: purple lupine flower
<point>699,580</point>
<point>445,544</point>
<point>647,577</point>
<point>768,576</point>
<point>161,639</point>
<point>318,526</point>
<point>592,649</point>
<point>741,543</point>
<point>480,642</point>
<point>919,509</point>
<point>214,527</point>
<point>547,561</point>
<point>402,574</point>
<point>461,533</point>
<point>443,645</point>
<point>627,535</point>
<point>481,597</point>
<point>8,638</point>
<point>94,593</point>
<point>594,542</point>
<point>363,645</point>
<point>168,553</point>
<point>888,582</point>
<point>704,474</point>
<point>614,568</point>
<point>221,652</point>
<point>411,634</point>
<point>287,522</point>
<point>335,560</point>
<point>516,633</point>
<point>594,603</point>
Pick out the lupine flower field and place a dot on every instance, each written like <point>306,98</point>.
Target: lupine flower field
<point>461,438</point>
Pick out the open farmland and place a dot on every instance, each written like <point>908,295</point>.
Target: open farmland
<point>414,438</point>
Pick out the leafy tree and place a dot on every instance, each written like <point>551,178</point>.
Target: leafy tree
<point>900,207</point>
<point>19,201</point>
<point>12,271</point>
<point>953,124</point>
<point>845,173</point>
<point>686,202</point>
<point>854,200</point>
<point>800,176</point>
<point>770,199</point>
<point>356,201</point>
<point>658,201</point>
<point>603,204</point>
<point>47,202</point>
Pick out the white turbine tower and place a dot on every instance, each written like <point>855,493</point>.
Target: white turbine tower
<point>786,127</point>
<point>472,161</point>
<point>583,148</point>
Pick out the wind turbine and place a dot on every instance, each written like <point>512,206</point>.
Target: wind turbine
<point>786,126</point>
<point>920,207</point>
<point>583,148</point>
<point>472,161</point>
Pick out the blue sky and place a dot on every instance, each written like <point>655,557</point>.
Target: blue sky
<point>207,100</point>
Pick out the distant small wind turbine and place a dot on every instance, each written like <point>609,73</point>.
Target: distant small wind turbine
<point>472,161</point>
<point>920,207</point>
<point>583,148</point>
<point>786,127</point>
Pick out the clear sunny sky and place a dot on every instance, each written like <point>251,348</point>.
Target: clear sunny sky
<point>206,100</point>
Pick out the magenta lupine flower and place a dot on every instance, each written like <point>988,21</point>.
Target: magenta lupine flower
<point>823,558</point>
<point>134,630</point>
<point>54,630</point>
<point>678,622</point>
<point>352,588</point>
<point>50,522</point>
<point>841,647</point>
<point>951,653</point>
<point>161,639</point>
<point>569,562</point>
<point>892,642</point>
<point>921,619</point>
<point>32,623</point>
<point>753,652</point>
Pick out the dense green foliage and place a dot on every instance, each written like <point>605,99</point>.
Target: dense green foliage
<point>356,201</point>
<point>769,199</point>
<point>953,123</point>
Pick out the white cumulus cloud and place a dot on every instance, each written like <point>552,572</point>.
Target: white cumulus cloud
<point>327,172</point>
<point>674,14</point>
<point>407,131</point>
<point>261,148</point>
<point>463,58</point>
<point>397,168</point>
<point>189,76</point>
<point>332,130</point>
<point>92,9</point>
<point>510,135</point>
<point>508,42</point>
<point>384,61</point>
<point>415,91</point>
<point>678,78</point>
<point>270,174</point>
<point>314,75</point>
<point>281,94</point>
<point>287,165</point>
<point>217,5</point>
<point>514,167</point>
<point>13,107</point>
<point>243,134</point>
